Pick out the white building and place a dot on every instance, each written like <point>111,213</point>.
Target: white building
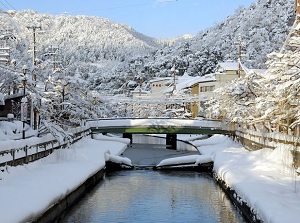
<point>159,85</point>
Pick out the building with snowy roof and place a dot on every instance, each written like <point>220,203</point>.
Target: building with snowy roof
<point>194,91</point>
<point>199,89</point>
<point>159,85</point>
<point>228,71</point>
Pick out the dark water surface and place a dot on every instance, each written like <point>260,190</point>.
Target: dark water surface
<point>154,196</point>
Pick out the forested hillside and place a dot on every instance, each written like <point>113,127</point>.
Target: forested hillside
<point>263,28</point>
<point>108,55</point>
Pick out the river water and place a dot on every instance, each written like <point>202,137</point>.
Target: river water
<point>145,195</point>
<point>154,196</point>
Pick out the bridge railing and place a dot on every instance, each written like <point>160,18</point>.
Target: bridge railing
<point>129,122</point>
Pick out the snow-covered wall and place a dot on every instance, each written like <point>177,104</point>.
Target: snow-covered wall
<point>261,138</point>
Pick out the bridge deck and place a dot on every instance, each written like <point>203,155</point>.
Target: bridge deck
<point>158,126</point>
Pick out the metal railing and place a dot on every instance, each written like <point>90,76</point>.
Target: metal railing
<point>26,154</point>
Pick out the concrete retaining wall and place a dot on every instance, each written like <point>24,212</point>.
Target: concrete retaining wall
<point>58,209</point>
<point>235,198</point>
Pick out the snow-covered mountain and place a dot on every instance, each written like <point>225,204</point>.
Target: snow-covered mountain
<point>80,38</point>
<point>262,27</point>
<point>109,54</point>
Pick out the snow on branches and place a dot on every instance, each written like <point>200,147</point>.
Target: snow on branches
<point>272,97</point>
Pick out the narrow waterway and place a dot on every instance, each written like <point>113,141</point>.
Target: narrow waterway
<point>144,195</point>
<point>154,196</point>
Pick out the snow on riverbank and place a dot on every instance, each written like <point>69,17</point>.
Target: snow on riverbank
<point>27,191</point>
<point>264,179</point>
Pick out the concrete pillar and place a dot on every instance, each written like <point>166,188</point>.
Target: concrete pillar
<point>128,136</point>
<point>171,141</point>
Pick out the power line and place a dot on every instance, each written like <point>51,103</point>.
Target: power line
<point>4,5</point>
<point>3,12</point>
<point>10,5</point>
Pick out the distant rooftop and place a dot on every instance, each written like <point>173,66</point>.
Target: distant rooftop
<point>186,81</point>
<point>160,79</point>
<point>228,65</point>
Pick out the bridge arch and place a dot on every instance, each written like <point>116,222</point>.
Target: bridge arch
<point>169,126</point>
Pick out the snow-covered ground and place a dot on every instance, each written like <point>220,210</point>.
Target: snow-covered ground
<point>13,130</point>
<point>264,179</point>
<point>27,191</point>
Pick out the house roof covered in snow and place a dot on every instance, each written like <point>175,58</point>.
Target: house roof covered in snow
<point>188,81</point>
<point>228,65</point>
<point>160,79</point>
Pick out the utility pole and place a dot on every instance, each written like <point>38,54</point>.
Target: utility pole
<point>34,28</point>
<point>239,44</point>
<point>53,55</point>
<point>141,83</point>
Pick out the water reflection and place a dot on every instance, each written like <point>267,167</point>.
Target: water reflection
<point>151,196</point>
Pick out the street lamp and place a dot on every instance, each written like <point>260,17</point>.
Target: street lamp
<point>24,101</point>
<point>24,68</point>
<point>23,114</point>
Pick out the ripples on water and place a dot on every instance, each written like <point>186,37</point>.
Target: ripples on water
<point>153,196</point>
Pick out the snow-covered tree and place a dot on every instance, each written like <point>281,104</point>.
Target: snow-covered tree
<point>271,98</point>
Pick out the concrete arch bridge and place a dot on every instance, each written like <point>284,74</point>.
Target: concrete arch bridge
<point>169,126</point>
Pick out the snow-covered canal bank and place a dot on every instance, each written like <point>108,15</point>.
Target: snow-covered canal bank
<point>264,179</point>
<point>28,191</point>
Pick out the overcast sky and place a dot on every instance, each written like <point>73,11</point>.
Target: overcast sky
<point>156,18</point>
